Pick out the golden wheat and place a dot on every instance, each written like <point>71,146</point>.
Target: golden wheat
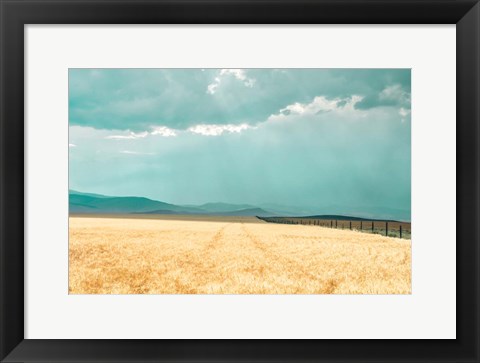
<point>231,256</point>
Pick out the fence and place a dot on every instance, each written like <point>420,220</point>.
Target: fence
<point>387,228</point>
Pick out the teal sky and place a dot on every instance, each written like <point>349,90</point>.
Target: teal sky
<point>321,140</point>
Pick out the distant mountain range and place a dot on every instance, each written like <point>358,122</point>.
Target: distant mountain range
<point>90,203</point>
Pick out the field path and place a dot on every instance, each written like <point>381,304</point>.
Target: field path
<point>224,256</point>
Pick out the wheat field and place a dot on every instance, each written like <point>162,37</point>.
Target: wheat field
<point>224,255</point>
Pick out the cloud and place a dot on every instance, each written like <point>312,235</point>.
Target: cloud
<point>163,131</point>
<point>130,136</point>
<point>135,152</point>
<point>239,74</point>
<point>212,87</point>
<point>403,112</point>
<point>395,93</point>
<point>134,100</point>
<point>319,104</point>
<point>216,130</point>
<point>156,130</point>
<point>72,145</point>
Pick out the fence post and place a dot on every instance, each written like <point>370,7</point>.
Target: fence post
<point>336,223</point>
<point>331,224</point>
<point>372,227</point>
<point>361,225</point>
<point>386,228</point>
<point>400,231</point>
<point>350,225</point>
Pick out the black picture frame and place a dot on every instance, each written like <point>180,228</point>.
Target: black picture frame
<point>15,14</point>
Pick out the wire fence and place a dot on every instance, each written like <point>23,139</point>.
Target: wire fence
<point>386,228</point>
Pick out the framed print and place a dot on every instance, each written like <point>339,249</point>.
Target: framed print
<point>239,181</point>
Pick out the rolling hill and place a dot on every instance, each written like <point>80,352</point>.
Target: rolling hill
<point>247,212</point>
<point>224,207</point>
<point>89,203</point>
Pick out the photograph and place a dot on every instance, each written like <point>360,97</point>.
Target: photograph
<point>259,181</point>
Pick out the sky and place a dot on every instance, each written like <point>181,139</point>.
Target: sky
<point>320,140</point>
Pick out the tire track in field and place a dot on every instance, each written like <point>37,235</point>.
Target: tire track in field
<point>272,255</point>
<point>217,237</point>
<point>199,264</point>
<point>328,286</point>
